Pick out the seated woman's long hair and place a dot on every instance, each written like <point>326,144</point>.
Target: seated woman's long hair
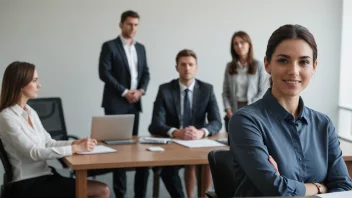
<point>17,75</point>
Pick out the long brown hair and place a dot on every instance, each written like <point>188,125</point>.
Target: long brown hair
<point>287,32</point>
<point>235,57</point>
<point>17,75</point>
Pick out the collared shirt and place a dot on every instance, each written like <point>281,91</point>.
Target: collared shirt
<point>132,59</point>
<point>305,149</point>
<point>182,97</point>
<point>242,82</point>
<point>28,148</point>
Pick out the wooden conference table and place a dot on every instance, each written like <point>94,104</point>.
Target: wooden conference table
<point>136,155</point>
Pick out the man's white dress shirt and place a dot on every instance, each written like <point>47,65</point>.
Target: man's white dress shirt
<point>132,60</point>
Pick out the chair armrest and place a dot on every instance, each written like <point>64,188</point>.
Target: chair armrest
<point>211,194</point>
<point>72,137</point>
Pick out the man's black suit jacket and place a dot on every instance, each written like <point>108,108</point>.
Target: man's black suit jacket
<point>115,72</point>
<point>167,108</point>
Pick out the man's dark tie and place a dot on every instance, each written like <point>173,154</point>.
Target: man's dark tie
<point>187,116</point>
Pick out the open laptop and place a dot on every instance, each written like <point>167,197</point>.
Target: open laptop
<point>113,129</point>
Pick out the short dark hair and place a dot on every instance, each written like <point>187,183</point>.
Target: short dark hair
<point>128,13</point>
<point>185,52</point>
<point>16,76</point>
<point>286,32</point>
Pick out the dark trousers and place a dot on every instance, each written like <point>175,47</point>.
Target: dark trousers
<point>227,119</point>
<point>171,178</point>
<point>119,180</point>
<point>53,186</point>
<point>119,174</point>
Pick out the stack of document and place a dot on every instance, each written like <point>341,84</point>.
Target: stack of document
<point>198,143</point>
<point>154,140</point>
<point>99,149</point>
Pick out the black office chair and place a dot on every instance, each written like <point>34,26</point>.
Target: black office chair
<point>51,115</point>
<point>8,175</point>
<point>222,171</point>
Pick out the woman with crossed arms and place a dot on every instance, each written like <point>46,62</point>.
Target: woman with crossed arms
<point>28,145</point>
<point>281,147</point>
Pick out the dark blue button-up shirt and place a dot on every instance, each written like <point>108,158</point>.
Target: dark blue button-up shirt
<point>306,150</point>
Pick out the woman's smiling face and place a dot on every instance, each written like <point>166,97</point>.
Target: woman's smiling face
<point>291,67</point>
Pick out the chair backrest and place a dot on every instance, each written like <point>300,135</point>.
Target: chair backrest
<point>51,115</point>
<point>222,169</point>
<point>8,175</point>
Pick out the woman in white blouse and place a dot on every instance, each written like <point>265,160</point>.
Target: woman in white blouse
<point>245,79</point>
<point>28,145</point>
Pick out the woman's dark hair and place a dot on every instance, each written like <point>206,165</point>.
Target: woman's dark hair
<point>286,32</point>
<point>17,75</point>
<point>235,57</point>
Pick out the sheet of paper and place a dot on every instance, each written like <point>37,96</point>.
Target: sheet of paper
<point>99,149</point>
<point>336,194</point>
<point>198,143</point>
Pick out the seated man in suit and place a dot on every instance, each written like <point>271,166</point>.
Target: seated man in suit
<point>180,111</point>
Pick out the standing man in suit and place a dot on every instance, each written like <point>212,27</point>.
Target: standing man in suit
<point>185,108</point>
<point>124,70</point>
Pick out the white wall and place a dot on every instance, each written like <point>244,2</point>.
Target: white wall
<point>345,99</point>
<point>346,49</point>
<point>63,39</point>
